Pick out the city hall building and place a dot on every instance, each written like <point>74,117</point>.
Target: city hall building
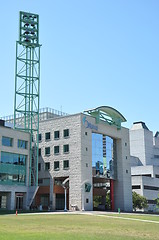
<point>83,158</point>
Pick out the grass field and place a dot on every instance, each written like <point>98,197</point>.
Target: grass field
<point>78,226</point>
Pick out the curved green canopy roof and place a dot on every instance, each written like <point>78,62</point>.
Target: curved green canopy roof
<point>107,114</point>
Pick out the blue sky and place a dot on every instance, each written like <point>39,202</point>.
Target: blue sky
<point>94,52</point>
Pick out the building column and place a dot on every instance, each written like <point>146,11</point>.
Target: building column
<point>51,193</point>
<point>12,201</point>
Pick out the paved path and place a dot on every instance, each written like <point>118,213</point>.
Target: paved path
<point>123,216</point>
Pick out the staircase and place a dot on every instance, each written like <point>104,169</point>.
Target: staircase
<point>32,190</point>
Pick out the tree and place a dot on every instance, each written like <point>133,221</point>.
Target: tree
<point>139,202</point>
<point>157,203</point>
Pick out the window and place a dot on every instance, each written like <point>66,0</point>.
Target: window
<point>65,164</point>
<point>39,166</point>
<point>56,135</point>
<point>86,133</point>
<point>7,141</point>
<point>56,149</point>
<point>151,188</point>
<point>13,158</point>
<point>66,148</point>
<point>87,200</point>
<point>3,202</point>
<point>56,165</point>
<point>40,137</point>
<point>40,181</point>
<point>151,201</point>
<point>66,133</point>
<point>39,152</point>
<point>126,144</point>
<point>157,175</point>
<point>47,136</point>
<point>22,144</point>
<point>47,151</point>
<point>12,161</point>
<point>86,164</point>
<point>136,187</point>
<point>86,149</point>
<point>47,166</point>
<point>127,171</point>
<point>126,157</point>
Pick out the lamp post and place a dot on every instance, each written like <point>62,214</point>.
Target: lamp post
<point>65,209</point>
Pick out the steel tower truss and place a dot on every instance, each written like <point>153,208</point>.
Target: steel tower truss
<point>27,83</point>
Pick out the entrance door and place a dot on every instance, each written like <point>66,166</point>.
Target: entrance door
<point>19,202</point>
<point>3,202</point>
<point>60,201</point>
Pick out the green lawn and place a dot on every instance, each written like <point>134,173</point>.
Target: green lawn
<point>71,226</point>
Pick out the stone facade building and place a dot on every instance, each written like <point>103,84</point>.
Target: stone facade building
<point>88,155</point>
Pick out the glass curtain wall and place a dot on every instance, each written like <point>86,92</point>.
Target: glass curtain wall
<point>12,168</point>
<point>104,165</point>
<point>103,156</point>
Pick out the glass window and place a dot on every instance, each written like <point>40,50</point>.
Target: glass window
<point>39,166</point>
<point>22,144</point>
<point>66,148</point>
<point>66,133</point>
<point>7,141</point>
<point>44,200</point>
<point>103,156</point>
<point>56,149</point>
<point>40,181</point>
<point>47,166</point>
<point>39,152</point>
<point>56,165</point>
<point>56,134</point>
<point>3,202</point>
<point>40,137</point>
<point>47,151</point>
<point>66,164</point>
<point>13,158</point>
<point>47,136</point>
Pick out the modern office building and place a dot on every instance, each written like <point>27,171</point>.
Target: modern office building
<point>83,157</point>
<point>15,192</point>
<point>144,150</point>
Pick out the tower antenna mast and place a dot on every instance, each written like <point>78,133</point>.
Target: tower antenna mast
<point>27,84</point>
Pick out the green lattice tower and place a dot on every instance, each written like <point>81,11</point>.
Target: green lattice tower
<point>27,83</point>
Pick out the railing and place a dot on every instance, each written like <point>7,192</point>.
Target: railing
<point>44,114</point>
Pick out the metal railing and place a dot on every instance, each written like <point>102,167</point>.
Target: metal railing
<point>44,114</point>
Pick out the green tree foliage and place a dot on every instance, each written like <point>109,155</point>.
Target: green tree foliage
<point>97,200</point>
<point>157,202</point>
<point>108,201</point>
<point>139,202</point>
